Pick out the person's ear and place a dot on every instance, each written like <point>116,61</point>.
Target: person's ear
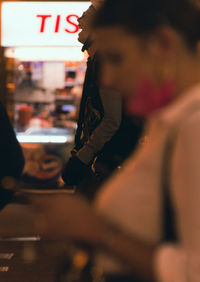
<point>162,48</point>
<point>163,43</point>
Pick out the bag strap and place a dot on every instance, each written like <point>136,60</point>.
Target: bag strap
<point>169,218</point>
<point>169,230</point>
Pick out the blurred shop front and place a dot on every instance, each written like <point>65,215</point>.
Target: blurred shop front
<point>44,72</point>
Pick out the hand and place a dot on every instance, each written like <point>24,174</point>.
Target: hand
<point>69,217</point>
<point>74,171</point>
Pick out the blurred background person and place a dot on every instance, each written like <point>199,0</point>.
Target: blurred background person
<point>105,136</point>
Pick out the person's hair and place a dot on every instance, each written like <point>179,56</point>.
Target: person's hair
<point>144,16</point>
<point>88,14</point>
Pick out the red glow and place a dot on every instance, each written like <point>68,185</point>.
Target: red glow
<point>69,19</point>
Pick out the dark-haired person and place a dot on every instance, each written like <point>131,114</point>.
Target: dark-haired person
<point>99,118</point>
<point>151,54</point>
<point>105,136</point>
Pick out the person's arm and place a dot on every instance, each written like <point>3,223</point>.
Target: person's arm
<point>72,217</point>
<point>77,166</point>
<point>110,123</point>
<point>136,255</point>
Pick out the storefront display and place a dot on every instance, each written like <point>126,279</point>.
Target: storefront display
<point>44,75</point>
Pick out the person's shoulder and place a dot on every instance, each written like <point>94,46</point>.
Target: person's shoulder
<point>192,120</point>
<point>183,107</point>
<point>189,127</point>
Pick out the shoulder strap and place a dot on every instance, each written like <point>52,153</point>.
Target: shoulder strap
<point>83,102</point>
<point>169,230</point>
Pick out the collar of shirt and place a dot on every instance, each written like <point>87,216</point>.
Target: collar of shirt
<point>187,101</point>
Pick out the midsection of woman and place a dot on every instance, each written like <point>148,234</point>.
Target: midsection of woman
<point>133,199</point>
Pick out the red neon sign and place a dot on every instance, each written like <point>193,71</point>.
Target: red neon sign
<point>69,19</point>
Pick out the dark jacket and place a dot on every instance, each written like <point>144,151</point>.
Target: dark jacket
<point>91,108</point>
<point>124,138</point>
<point>11,156</point>
<point>105,135</point>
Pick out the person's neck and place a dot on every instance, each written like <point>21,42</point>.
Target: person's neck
<point>189,74</point>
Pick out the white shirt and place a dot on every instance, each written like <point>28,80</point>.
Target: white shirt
<point>133,198</point>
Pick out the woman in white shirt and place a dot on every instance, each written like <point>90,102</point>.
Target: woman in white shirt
<point>150,53</point>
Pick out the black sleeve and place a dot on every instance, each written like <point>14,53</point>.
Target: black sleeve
<point>11,156</point>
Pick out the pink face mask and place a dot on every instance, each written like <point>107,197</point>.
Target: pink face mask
<point>147,99</point>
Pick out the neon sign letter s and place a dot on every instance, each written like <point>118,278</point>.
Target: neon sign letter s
<point>69,20</point>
